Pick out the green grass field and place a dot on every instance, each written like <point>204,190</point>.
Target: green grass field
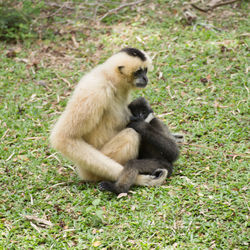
<point>199,87</point>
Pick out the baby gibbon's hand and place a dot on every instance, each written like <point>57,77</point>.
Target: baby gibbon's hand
<point>135,118</point>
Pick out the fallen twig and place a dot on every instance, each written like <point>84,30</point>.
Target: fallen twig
<point>61,184</point>
<point>65,5</point>
<point>63,79</point>
<point>36,227</point>
<point>213,6</point>
<point>119,8</point>
<point>5,133</point>
<point>10,156</point>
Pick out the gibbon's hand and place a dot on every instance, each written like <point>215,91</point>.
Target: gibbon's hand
<point>135,118</point>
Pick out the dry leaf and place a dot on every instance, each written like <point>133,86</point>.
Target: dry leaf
<point>76,44</point>
<point>39,221</point>
<point>34,226</point>
<point>96,244</point>
<point>213,3</point>
<point>121,195</point>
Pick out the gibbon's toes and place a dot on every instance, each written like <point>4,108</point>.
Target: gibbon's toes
<point>158,173</point>
<point>157,178</point>
<point>178,138</point>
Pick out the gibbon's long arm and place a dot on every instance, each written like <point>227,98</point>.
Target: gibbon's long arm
<point>82,114</point>
<point>86,156</point>
<point>158,140</point>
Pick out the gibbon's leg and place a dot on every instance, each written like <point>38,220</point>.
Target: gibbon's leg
<point>91,161</point>
<point>123,147</point>
<point>124,182</point>
<point>159,169</point>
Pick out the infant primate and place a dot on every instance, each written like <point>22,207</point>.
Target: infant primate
<point>158,148</point>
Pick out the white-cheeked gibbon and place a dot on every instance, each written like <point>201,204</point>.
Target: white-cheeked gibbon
<point>92,132</point>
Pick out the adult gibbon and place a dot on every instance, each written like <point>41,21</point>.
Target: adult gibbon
<point>92,131</point>
<point>158,148</point>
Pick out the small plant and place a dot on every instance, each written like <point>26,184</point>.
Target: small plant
<point>94,214</point>
<point>16,24</point>
<point>13,23</point>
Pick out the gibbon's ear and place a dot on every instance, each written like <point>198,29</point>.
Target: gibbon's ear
<point>120,69</point>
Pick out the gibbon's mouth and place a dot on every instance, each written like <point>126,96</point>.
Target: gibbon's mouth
<point>141,82</point>
<point>141,85</point>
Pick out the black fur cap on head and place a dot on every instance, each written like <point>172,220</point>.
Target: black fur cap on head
<point>134,52</point>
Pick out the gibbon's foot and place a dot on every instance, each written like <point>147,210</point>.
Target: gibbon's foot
<point>178,138</point>
<point>160,173</point>
<point>151,180</point>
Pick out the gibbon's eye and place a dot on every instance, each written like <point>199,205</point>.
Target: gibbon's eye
<point>138,72</point>
<point>141,71</point>
<point>120,69</point>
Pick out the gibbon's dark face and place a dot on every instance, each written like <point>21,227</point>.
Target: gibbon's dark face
<point>140,108</point>
<point>140,78</point>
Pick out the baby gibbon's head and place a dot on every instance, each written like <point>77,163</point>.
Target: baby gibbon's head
<point>131,65</point>
<point>140,108</point>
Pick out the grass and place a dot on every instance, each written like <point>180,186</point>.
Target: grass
<point>199,87</point>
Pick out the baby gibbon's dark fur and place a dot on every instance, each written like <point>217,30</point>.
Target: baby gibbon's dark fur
<point>158,149</point>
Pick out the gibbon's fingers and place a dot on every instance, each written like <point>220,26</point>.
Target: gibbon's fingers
<point>123,147</point>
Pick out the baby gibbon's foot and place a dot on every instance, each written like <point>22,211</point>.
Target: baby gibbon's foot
<point>159,173</point>
<point>152,180</point>
<point>178,138</point>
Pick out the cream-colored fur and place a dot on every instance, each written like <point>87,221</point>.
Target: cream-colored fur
<point>92,130</point>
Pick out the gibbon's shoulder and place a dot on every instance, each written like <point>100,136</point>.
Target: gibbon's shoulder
<point>94,86</point>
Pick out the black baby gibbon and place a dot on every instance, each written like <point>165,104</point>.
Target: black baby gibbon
<point>158,148</point>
